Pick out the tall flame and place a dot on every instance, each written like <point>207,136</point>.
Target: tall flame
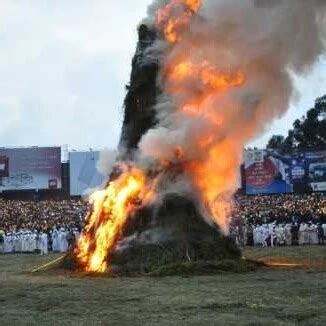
<point>193,83</point>
<point>210,176</point>
<point>111,209</point>
<point>173,18</point>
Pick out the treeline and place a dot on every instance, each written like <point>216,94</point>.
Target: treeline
<point>308,133</point>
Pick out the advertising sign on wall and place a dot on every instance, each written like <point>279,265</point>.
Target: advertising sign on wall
<point>30,168</point>
<point>266,173</point>
<point>269,172</point>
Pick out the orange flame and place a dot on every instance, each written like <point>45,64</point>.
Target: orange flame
<point>184,71</point>
<point>111,209</point>
<point>211,175</point>
<point>193,83</point>
<point>173,18</point>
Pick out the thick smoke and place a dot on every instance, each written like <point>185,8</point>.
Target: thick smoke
<point>252,47</point>
<point>106,162</point>
<point>225,68</point>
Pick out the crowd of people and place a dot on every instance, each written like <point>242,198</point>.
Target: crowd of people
<point>279,220</point>
<point>26,241</point>
<point>41,215</point>
<point>279,234</point>
<point>285,208</point>
<point>29,226</point>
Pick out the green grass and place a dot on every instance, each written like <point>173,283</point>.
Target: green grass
<point>268,296</point>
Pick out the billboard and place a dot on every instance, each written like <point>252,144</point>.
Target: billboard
<point>317,171</point>
<point>83,173</point>
<point>30,168</point>
<point>268,171</point>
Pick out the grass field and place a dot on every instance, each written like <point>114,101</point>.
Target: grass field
<point>269,296</point>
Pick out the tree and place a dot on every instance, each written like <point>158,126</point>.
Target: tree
<point>309,132</point>
<point>276,142</point>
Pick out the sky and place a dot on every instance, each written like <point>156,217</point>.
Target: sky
<point>64,66</point>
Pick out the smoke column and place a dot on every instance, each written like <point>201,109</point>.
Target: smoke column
<point>225,76</point>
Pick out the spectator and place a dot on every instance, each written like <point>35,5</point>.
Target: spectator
<point>321,235</point>
<point>257,220</point>
<point>41,215</point>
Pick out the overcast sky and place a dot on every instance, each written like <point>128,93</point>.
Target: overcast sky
<point>64,65</point>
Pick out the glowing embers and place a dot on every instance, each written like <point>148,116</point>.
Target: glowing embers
<point>175,16</point>
<point>111,209</point>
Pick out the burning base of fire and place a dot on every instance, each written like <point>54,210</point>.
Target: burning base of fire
<point>171,239</point>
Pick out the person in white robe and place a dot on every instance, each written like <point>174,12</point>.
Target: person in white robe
<point>55,240</point>
<point>16,242</point>
<point>306,234</point>
<point>28,241</point>
<point>254,234</point>
<point>280,235</point>
<point>24,239</point>
<point>38,241</point>
<point>272,234</point>
<point>313,234</point>
<point>33,241</point>
<point>302,234</point>
<point>7,244</point>
<point>288,234</point>
<point>44,243</point>
<point>63,243</point>
<point>266,235</point>
<point>258,235</point>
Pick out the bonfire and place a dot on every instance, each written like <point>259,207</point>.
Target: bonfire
<point>202,86</point>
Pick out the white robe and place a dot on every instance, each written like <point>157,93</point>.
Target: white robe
<point>17,243</point>
<point>288,235</point>
<point>33,242</point>
<point>63,243</point>
<point>38,241</point>
<point>7,244</point>
<point>24,239</point>
<point>280,234</point>
<point>55,241</point>
<point>313,234</point>
<point>44,244</point>
<point>302,234</point>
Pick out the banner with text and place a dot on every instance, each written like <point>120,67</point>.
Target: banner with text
<point>30,168</point>
<point>268,171</point>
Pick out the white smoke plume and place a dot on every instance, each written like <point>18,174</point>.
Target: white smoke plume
<point>254,46</point>
<point>106,161</point>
